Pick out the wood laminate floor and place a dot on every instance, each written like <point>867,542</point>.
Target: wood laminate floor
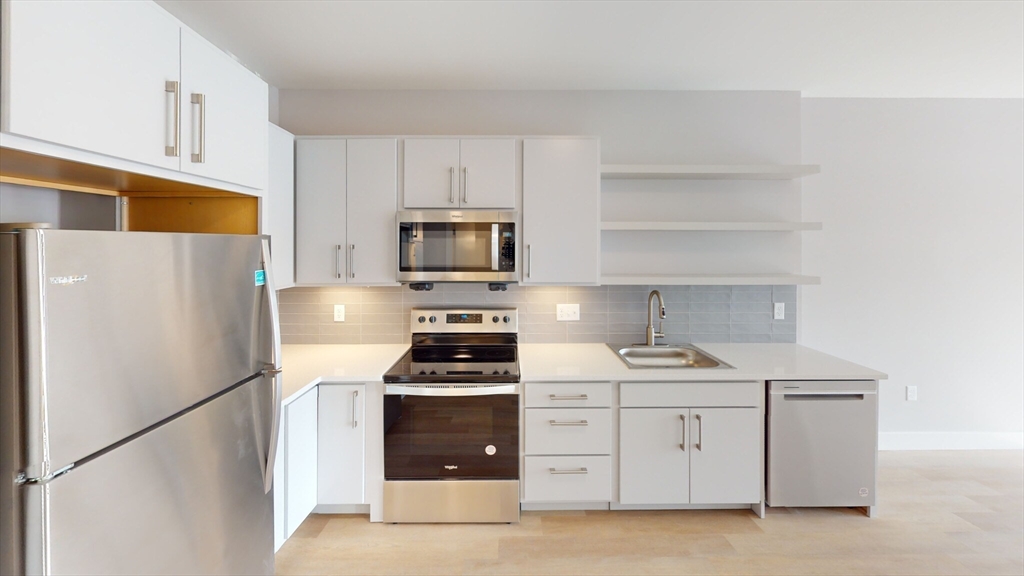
<point>939,513</point>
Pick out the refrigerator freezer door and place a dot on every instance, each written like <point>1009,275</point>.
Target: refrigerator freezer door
<point>125,329</point>
<point>184,498</point>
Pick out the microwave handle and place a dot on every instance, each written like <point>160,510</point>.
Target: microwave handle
<point>494,247</point>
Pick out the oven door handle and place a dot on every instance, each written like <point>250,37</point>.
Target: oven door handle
<point>446,391</point>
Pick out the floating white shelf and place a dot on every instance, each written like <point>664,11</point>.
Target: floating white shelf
<point>714,226</point>
<point>706,279</point>
<point>708,171</point>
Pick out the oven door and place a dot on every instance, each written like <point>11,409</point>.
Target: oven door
<point>451,432</point>
<point>446,246</point>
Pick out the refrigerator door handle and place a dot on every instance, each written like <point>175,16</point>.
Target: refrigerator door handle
<point>273,370</point>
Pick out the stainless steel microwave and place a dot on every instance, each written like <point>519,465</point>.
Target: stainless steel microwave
<point>456,246</point>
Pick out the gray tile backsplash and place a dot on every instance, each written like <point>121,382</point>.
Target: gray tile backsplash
<point>698,314</point>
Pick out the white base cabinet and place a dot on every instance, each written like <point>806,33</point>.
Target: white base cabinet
<point>341,444</point>
<point>295,471</point>
<point>654,467</point>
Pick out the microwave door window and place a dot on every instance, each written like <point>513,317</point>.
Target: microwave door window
<point>473,247</point>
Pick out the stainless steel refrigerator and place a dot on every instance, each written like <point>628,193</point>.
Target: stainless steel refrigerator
<point>139,403</point>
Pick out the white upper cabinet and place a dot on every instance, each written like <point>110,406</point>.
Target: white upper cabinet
<point>93,76</point>
<point>372,201</point>
<point>459,174</point>
<point>224,115</point>
<point>320,239</point>
<point>561,211</point>
<point>488,173</point>
<point>345,201</point>
<point>277,211</point>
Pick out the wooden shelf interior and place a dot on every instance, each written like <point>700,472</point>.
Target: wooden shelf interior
<point>708,171</point>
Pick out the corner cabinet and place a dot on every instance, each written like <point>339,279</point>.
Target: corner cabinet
<point>341,445</point>
<point>345,202</point>
<point>561,239</point>
<point>460,173</point>
<point>706,447</point>
<point>295,471</point>
<point>277,211</point>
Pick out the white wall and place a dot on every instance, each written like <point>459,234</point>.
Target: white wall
<point>922,260</point>
<point>69,210</point>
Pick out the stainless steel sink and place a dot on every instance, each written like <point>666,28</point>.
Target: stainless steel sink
<point>677,356</point>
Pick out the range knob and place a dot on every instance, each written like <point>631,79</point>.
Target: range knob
<point>433,319</point>
<point>495,319</point>
<point>422,319</point>
<point>507,319</point>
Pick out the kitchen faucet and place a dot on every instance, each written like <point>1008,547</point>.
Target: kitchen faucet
<point>651,334</point>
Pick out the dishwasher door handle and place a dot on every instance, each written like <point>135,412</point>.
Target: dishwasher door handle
<point>808,397</point>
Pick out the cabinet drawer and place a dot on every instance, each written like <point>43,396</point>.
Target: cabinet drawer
<point>568,478</point>
<point>569,395</point>
<point>689,394</point>
<point>568,431</point>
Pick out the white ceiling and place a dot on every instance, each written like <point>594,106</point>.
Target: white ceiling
<point>831,49</point>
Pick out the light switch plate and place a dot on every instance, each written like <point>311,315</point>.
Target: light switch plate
<point>339,312</point>
<point>568,312</point>
<point>780,310</point>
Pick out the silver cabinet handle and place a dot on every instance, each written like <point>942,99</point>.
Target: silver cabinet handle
<point>682,445</point>
<point>200,99</point>
<point>568,423</point>
<point>174,87</point>
<point>355,397</point>
<point>337,260</point>
<point>465,187</point>
<point>529,261</point>
<point>700,431</point>
<point>451,185</point>
<point>576,397</point>
<point>352,259</point>
<point>494,246</point>
<point>576,471</point>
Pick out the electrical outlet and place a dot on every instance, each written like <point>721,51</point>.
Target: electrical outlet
<point>912,393</point>
<point>780,311</point>
<point>568,312</point>
<point>339,312</point>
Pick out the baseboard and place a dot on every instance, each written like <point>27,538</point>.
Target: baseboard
<point>951,440</point>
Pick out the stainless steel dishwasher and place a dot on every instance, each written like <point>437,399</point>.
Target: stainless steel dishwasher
<point>822,443</point>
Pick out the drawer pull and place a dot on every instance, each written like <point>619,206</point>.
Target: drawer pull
<point>576,397</point>
<point>574,471</point>
<point>568,423</point>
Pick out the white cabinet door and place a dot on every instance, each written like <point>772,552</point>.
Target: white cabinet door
<point>372,201</point>
<point>225,136</point>
<point>654,467</point>
<point>279,492</point>
<point>92,75</point>
<point>341,444</point>
<point>300,452</point>
<point>277,213</point>
<point>727,468</point>
<point>431,173</point>
<point>488,173</point>
<point>320,254</point>
<point>561,211</point>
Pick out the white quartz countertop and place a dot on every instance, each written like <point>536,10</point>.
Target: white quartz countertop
<point>306,365</point>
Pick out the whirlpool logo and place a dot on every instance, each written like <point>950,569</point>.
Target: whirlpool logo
<point>450,467</point>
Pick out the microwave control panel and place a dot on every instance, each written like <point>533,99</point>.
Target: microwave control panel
<point>507,248</point>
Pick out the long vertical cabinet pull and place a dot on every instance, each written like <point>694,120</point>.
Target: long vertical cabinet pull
<point>700,432</point>
<point>355,397</point>
<point>451,185</point>
<point>337,260</point>
<point>682,445</point>
<point>352,259</point>
<point>200,99</point>
<point>174,87</point>
<point>465,189</point>
<point>529,261</point>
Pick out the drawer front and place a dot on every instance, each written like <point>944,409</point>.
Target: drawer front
<point>688,394</point>
<point>568,431</point>
<point>569,395</point>
<point>568,479</point>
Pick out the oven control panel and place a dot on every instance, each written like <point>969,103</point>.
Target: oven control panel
<point>464,320</point>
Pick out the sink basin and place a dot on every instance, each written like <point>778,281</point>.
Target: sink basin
<point>679,356</point>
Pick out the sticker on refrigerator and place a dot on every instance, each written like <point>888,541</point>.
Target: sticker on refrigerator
<point>261,277</point>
